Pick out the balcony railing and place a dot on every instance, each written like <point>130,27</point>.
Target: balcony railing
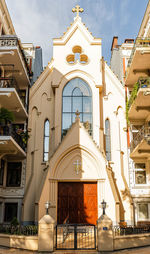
<point>143,133</point>
<point>8,41</point>
<point>139,42</point>
<point>142,83</point>
<point>11,83</point>
<point>8,130</point>
<point>13,41</point>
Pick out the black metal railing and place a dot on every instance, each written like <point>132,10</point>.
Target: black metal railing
<point>75,237</point>
<point>19,229</point>
<point>143,133</point>
<point>130,230</point>
<point>11,83</point>
<point>8,130</point>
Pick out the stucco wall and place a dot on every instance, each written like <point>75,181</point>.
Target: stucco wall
<point>19,242</point>
<point>131,241</point>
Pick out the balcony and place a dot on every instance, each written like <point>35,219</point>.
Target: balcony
<point>139,62</point>
<point>140,145</point>
<point>11,143</point>
<point>11,52</point>
<point>139,101</point>
<point>12,98</point>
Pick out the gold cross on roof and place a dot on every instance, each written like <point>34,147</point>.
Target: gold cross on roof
<point>77,9</point>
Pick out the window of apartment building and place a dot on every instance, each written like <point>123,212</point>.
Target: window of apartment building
<point>140,173</point>
<point>2,165</point>
<point>14,174</point>
<point>10,211</point>
<point>143,212</point>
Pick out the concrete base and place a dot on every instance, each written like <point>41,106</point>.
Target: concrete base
<point>46,234</point>
<point>104,234</point>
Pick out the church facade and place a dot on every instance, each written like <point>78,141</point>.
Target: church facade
<point>77,152</point>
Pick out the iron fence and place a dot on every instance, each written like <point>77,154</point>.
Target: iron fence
<point>130,230</point>
<point>19,229</point>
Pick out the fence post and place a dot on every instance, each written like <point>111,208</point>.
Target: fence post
<point>46,232</point>
<point>104,233</point>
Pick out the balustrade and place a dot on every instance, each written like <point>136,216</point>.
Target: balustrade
<point>8,130</point>
<point>139,42</point>
<point>142,83</point>
<point>143,133</point>
<point>8,41</point>
<point>11,83</point>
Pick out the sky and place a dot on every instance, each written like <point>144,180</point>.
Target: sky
<point>39,21</point>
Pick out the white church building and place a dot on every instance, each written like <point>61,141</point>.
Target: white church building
<point>77,151</point>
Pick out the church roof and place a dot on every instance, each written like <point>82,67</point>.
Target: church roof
<point>77,24</point>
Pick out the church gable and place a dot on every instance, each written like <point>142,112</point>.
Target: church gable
<point>77,145</point>
<point>76,25</point>
<point>77,49</point>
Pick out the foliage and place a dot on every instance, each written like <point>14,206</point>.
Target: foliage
<point>17,229</point>
<point>24,135</point>
<point>6,116</point>
<point>131,99</point>
<point>14,222</point>
<point>127,110</point>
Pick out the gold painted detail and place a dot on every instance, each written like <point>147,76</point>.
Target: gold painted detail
<point>77,166</point>
<point>77,56</point>
<point>77,9</point>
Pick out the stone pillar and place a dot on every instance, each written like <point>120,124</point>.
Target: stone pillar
<point>104,233</point>
<point>46,234</point>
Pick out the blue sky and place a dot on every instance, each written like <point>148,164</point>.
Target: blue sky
<point>39,21</point>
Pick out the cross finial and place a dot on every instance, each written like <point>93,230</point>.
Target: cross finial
<point>77,115</point>
<point>77,9</point>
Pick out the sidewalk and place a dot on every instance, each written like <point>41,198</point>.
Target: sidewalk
<point>144,250</point>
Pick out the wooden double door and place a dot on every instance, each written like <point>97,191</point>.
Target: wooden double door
<point>77,202</point>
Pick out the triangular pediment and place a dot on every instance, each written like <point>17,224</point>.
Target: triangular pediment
<point>77,145</point>
<point>77,25</point>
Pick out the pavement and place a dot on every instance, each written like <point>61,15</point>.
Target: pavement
<point>143,250</point>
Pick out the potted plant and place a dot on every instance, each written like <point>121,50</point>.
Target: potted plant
<point>6,116</point>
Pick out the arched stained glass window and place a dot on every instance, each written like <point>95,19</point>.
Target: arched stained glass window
<point>107,140</point>
<point>46,140</point>
<point>76,95</point>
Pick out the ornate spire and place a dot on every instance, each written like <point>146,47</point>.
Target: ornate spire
<point>77,9</point>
